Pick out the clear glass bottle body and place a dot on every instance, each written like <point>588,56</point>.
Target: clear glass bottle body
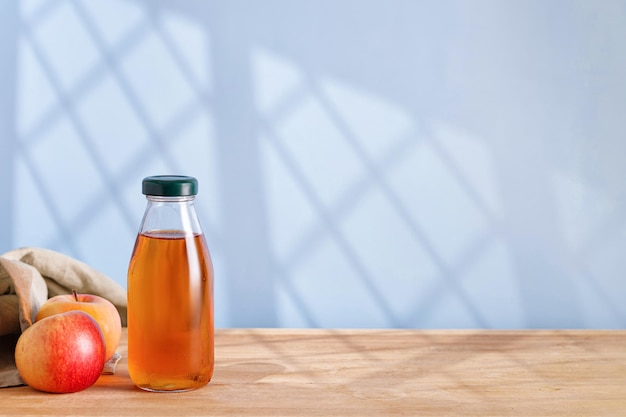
<point>170,299</point>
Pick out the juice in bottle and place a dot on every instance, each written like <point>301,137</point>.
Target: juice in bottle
<point>170,301</point>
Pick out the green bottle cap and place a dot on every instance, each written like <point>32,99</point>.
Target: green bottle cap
<point>170,185</point>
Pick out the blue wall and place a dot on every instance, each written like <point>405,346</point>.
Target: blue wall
<point>361,163</point>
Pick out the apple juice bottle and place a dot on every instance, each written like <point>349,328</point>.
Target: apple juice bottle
<point>170,291</point>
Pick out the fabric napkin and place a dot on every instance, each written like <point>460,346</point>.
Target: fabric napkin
<point>28,277</point>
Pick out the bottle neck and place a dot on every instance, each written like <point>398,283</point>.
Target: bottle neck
<point>171,215</point>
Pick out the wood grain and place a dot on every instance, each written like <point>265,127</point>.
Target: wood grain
<point>279,372</point>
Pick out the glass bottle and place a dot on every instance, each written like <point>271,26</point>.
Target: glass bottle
<point>170,291</point>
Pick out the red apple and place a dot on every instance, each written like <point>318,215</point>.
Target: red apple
<point>61,353</point>
<point>101,309</point>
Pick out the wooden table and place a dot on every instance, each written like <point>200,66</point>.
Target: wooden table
<point>374,372</point>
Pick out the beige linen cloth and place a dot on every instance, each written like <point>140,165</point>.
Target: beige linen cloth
<point>28,277</point>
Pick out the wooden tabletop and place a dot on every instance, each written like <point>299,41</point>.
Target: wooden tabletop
<point>281,372</point>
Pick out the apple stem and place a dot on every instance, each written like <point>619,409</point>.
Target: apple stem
<point>75,295</point>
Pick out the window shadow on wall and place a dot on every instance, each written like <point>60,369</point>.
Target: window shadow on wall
<point>317,223</point>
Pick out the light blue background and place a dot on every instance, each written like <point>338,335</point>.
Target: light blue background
<point>423,164</point>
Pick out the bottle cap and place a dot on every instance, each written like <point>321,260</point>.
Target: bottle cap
<point>170,185</point>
